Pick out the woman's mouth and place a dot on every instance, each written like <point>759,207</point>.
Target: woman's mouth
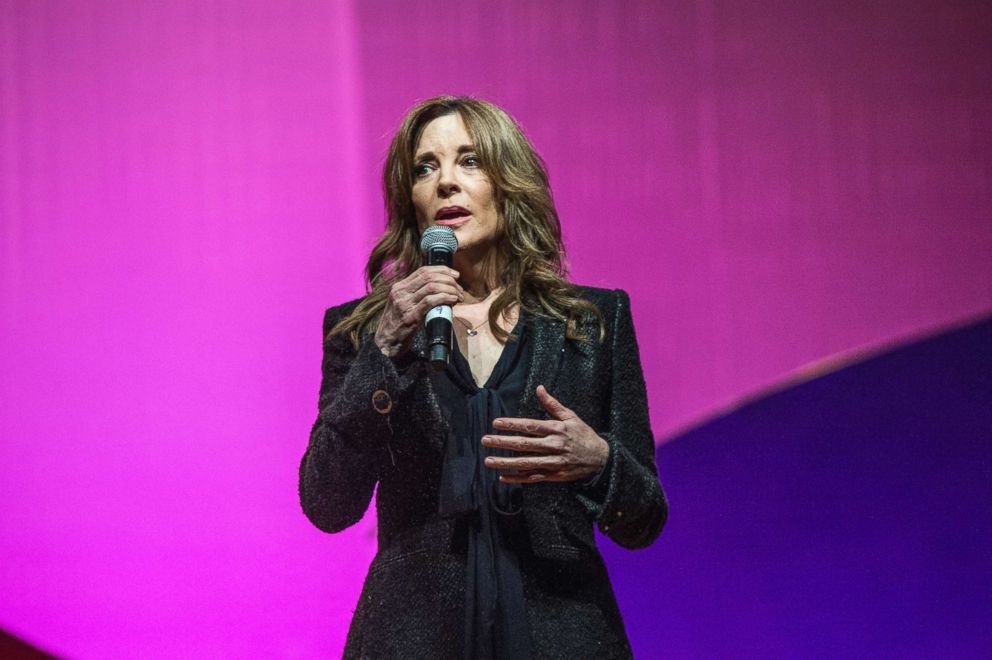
<point>452,216</point>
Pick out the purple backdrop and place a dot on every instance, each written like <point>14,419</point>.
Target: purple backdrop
<point>849,516</point>
<point>185,186</point>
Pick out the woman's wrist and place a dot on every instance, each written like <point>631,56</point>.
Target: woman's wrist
<point>594,478</point>
<point>390,348</point>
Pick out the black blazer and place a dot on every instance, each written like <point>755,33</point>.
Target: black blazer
<point>379,421</point>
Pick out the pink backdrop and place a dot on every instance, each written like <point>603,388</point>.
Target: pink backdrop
<point>185,186</point>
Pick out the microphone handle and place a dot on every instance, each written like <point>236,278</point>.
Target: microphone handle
<point>438,323</point>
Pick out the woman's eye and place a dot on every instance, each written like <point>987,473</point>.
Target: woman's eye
<point>472,161</point>
<point>423,169</point>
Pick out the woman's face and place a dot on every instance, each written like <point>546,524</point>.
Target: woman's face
<point>450,188</point>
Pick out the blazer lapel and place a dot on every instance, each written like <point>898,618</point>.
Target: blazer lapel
<point>548,348</point>
<point>435,426</point>
<point>419,344</point>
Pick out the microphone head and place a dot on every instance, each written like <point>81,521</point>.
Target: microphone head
<point>438,237</point>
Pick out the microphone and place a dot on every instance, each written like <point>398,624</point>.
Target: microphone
<point>438,243</point>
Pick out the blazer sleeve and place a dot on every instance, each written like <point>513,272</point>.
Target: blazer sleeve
<point>360,391</point>
<point>627,500</point>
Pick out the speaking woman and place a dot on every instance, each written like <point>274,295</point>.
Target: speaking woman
<point>492,471</point>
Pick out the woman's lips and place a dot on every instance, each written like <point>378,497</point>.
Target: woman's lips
<point>452,216</point>
<point>453,222</point>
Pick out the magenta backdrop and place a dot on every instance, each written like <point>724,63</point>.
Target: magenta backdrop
<point>185,186</point>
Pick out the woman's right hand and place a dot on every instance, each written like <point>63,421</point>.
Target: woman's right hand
<point>409,301</point>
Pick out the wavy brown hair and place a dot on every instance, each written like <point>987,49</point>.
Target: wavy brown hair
<point>530,252</point>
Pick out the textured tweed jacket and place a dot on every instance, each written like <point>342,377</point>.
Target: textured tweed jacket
<point>379,421</point>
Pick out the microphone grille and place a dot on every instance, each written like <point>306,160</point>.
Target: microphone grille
<point>438,237</point>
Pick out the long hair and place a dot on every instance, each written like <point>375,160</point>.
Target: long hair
<point>530,252</point>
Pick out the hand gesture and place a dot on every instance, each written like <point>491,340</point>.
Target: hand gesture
<point>409,301</point>
<point>563,448</point>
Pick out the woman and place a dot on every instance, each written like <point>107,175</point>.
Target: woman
<point>492,471</point>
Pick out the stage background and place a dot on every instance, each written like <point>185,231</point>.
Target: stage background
<point>185,186</point>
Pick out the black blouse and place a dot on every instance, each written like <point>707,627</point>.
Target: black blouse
<point>495,616</point>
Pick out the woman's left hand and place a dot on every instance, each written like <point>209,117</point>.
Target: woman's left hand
<point>563,448</point>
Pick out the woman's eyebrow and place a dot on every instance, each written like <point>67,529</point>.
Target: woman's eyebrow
<point>430,155</point>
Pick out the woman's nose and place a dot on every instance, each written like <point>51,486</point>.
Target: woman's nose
<point>446,184</point>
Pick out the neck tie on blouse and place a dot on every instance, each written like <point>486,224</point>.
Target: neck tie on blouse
<point>495,615</point>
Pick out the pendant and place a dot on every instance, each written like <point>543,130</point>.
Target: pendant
<point>472,333</point>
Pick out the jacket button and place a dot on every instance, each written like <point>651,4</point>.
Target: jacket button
<point>382,402</point>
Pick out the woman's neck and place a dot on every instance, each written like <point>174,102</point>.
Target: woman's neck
<point>477,277</point>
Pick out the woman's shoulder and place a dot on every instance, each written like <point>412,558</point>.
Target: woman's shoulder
<point>345,308</point>
<point>335,314</point>
<point>603,298</point>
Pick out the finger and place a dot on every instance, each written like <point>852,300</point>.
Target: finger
<point>412,283</point>
<point>438,272</point>
<point>425,272</point>
<point>530,426</point>
<point>552,405</point>
<point>421,280</point>
<point>413,314</point>
<point>415,280</point>
<point>432,301</point>
<point>438,285</point>
<point>542,445</point>
<point>548,463</point>
<point>528,477</point>
<point>533,476</point>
